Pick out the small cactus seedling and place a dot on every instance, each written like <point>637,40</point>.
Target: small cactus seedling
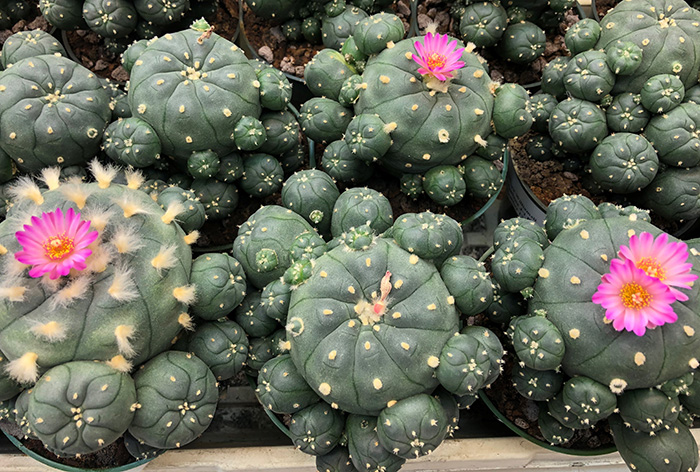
<point>429,236</point>
<point>366,452</point>
<point>662,93</point>
<point>281,389</point>
<point>483,23</point>
<point>110,18</point>
<point>588,77</point>
<point>469,282</point>
<point>312,194</point>
<point>582,36</point>
<point>317,429</point>
<point>251,316</point>
<point>359,206</point>
<point>338,460</point>
<point>29,44</point>
<point>222,345</point>
<point>538,385</point>
<point>627,114</point>
<point>262,175</point>
<point>63,14</point>
<point>522,43</point>
<point>131,142</point>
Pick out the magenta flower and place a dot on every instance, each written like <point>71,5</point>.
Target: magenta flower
<point>633,300</point>
<point>55,243</point>
<point>661,259</point>
<point>436,57</point>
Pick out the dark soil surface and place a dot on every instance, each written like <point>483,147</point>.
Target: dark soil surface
<point>266,40</point>
<point>34,21</point>
<point>602,6</point>
<point>89,50</point>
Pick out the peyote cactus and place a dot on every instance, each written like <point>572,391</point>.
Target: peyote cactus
<point>29,44</point>
<point>591,346</point>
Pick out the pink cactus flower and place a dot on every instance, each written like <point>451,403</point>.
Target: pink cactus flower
<point>55,243</point>
<point>436,57</point>
<point>662,260</point>
<point>633,300</point>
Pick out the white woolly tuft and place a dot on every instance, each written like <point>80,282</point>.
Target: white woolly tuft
<point>185,294</point>
<point>51,176</point>
<point>165,259</point>
<point>186,321</point>
<point>77,193</point>
<point>51,332</point>
<point>51,285</point>
<point>103,174</point>
<point>98,216</point>
<point>25,369</point>
<point>134,179</point>
<point>126,239</point>
<point>119,363</point>
<point>77,289</point>
<point>174,209</point>
<point>99,259</point>
<point>75,180</point>
<point>13,293</point>
<point>470,47</point>
<point>12,268</point>
<point>192,237</point>
<point>431,27</point>
<point>26,189</point>
<point>124,333</point>
<point>123,287</point>
<point>130,206</point>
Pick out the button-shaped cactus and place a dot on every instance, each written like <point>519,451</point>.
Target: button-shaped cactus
<point>249,133</point>
<point>553,77</point>
<point>350,90</point>
<point>465,365</point>
<point>588,77</point>
<point>110,18</point>
<point>552,430</point>
<point>483,179</point>
<point>588,400</point>
<point>541,106</point>
<point>662,93</point>
<point>324,120</point>
<point>53,112</point>
<point>281,388</point>
<point>369,137</point>
<point>366,453</point>
<point>428,235</point>
<point>358,206</point>
<point>444,185</point>
<point>203,164</point>
<point>326,73</point>
<point>336,29</point>
<point>582,36</point>
<point>161,12</point>
<point>624,57</point>
<point>494,148</point>
<point>568,211</point>
<point>275,89</point>
<point>312,194</point>
<point>626,113</point>
<point>131,141</point>
<point>522,43</point>
<point>374,33</point>
<point>222,345</point>
<point>63,14</point>
<point>221,285</point>
<point>511,116</point>
<point>538,385</point>
<point>470,284</point>
<point>132,53</point>
<point>177,396</point>
<point>230,168</point>
<point>307,246</point>
<point>538,342</point>
<point>515,265</point>
<point>675,135</point>
<point>673,194</point>
<point>251,316</point>
<point>505,305</point>
<point>412,427</point>
<point>219,198</point>
<point>338,460</point>
<point>192,213</point>
<point>316,429</point>
<point>260,350</point>
<point>139,450</point>
<point>262,175</point>
<point>412,185</point>
<point>282,131</point>
<point>483,23</point>
<point>340,163</point>
<point>26,44</point>
<point>516,229</point>
<point>96,407</point>
<point>624,163</point>
<point>648,410</point>
<point>275,299</point>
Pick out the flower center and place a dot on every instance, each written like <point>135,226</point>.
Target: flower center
<point>634,296</point>
<point>57,247</point>
<point>652,267</point>
<point>436,60</point>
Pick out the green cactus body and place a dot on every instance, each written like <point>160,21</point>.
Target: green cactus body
<point>566,277</point>
<point>559,411</point>
<point>515,265</point>
<point>8,387</point>
<point>359,206</point>
<point>675,135</point>
<point>672,449</point>
<point>120,106</point>
<point>673,194</point>
<point>132,53</point>
<point>373,34</point>
<point>582,36</point>
<point>623,57</point>
<point>147,30</point>
<point>19,411</point>
<point>282,131</point>
<point>494,148</point>
<point>281,388</point>
<point>63,14</point>
<point>429,236</point>
<point>399,338</point>
<point>368,137</point>
<point>273,228</point>
<point>250,314</point>
<point>338,460</point>
<point>552,430</point>
<point>366,453</point>
<point>444,185</point>
<point>466,364</point>
<point>260,351</point>
<point>661,30</point>
<point>539,148</point>
<point>298,272</point>
<point>279,10</point>
<point>292,29</point>
<point>279,342</point>
<point>335,7</point>
<point>353,56</point>
<point>553,77</point>
<point>577,125</point>
<point>648,410</point>
<point>326,73</point>
<point>626,113</point>
<point>230,168</point>
<point>139,450</point>
<point>28,44</point>
<point>538,343</point>
<point>691,399</point>
<point>538,385</point>
<point>588,400</point>
<point>324,120</point>
<point>522,43</point>
<point>336,29</point>
<point>624,163</point>
<point>293,159</point>
<point>262,175</point>
<point>7,172</point>
<point>177,396</point>
<point>219,198</point>
<point>662,93</point>
<point>449,404</point>
<point>221,285</point>
<point>413,427</point>
<point>110,18</point>
<point>412,185</point>
<point>249,134</point>
<point>177,81</point>
<point>429,127</point>
<point>350,91</point>
<point>222,345</point>
<point>568,211</point>
<point>483,23</point>
<point>511,117</point>
<point>275,300</point>
<point>340,163</point>
<point>541,106</point>
<point>307,246</point>
<point>96,406</point>
<point>470,284</point>
<point>588,77</point>
<point>505,305</point>
<point>161,12</point>
<point>193,214</point>
<point>316,429</point>
<point>131,141</point>
<point>692,95</point>
<point>483,179</point>
<point>275,89</point>
<point>48,117</point>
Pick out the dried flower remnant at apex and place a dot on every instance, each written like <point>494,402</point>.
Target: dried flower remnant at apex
<point>437,57</point>
<point>55,243</point>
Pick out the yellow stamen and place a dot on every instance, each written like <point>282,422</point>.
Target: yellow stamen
<point>652,267</point>
<point>56,247</point>
<point>436,60</point>
<point>635,296</point>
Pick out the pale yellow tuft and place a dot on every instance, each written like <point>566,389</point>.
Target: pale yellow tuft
<point>185,294</point>
<point>26,189</point>
<point>165,259</point>
<point>51,176</point>
<point>52,331</point>
<point>103,174</point>
<point>124,333</point>
<point>25,369</point>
